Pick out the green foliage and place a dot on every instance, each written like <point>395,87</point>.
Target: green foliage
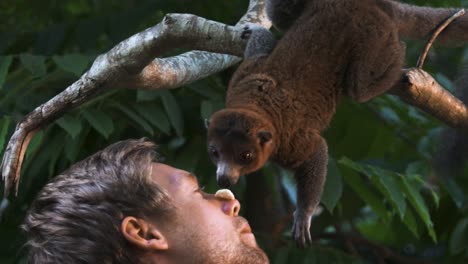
<point>380,183</point>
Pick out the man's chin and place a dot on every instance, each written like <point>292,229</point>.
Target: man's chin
<point>255,254</point>
<point>249,240</point>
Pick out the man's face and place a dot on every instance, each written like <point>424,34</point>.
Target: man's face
<point>206,229</point>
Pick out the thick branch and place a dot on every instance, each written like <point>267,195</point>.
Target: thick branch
<point>127,60</point>
<point>419,89</point>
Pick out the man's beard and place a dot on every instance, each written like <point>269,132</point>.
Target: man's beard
<point>227,253</point>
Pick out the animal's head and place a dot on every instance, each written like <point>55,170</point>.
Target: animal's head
<point>239,142</point>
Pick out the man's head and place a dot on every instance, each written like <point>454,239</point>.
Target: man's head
<point>119,206</point>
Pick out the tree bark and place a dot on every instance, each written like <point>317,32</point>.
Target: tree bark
<point>131,64</point>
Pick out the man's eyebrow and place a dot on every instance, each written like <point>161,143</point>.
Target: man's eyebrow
<point>191,176</point>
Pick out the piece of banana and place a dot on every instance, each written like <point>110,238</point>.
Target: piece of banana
<point>225,194</point>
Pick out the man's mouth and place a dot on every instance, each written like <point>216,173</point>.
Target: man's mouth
<point>246,228</point>
<point>246,234</point>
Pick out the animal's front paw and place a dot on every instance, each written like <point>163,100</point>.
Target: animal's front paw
<point>301,229</point>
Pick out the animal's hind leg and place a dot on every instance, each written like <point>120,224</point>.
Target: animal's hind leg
<point>373,70</point>
<point>283,13</point>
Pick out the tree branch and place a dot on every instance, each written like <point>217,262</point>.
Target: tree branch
<point>420,89</point>
<point>131,64</point>
<point>131,60</point>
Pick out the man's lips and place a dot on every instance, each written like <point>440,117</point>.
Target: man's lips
<point>246,228</point>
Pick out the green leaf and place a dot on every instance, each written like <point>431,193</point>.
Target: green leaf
<point>418,204</point>
<point>55,143</point>
<point>386,183</point>
<point>136,118</point>
<point>4,125</point>
<point>34,143</point>
<point>410,221</point>
<point>5,62</point>
<point>459,239</point>
<point>333,186</point>
<point>34,64</point>
<point>100,121</point>
<point>147,95</point>
<point>188,157</point>
<point>74,63</point>
<point>155,115</point>
<point>206,109</point>
<point>70,124</point>
<point>454,190</point>
<point>173,111</point>
<point>370,198</point>
<point>362,189</point>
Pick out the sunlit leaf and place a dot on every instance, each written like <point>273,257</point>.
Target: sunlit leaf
<point>35,64</point>
<point>100,121</point>
<point>5,62</point>
<point>333,186</point>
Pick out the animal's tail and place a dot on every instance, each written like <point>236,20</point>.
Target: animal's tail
<point>419,22</point>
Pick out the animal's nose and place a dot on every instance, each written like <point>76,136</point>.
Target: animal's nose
<point>223,182</point>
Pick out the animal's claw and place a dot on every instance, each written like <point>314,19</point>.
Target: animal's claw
<point>301,229</point>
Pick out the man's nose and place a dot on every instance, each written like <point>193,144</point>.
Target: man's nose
<point>231,207</point>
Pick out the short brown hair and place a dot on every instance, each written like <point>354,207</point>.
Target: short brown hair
<point>76,218</point>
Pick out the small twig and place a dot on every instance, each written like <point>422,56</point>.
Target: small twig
<point>436,33</point>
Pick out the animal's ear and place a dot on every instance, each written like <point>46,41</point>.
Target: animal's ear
<point>264,136</point>
<point>207,123</point>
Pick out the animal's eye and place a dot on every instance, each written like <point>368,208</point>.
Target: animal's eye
<point>246,157</point>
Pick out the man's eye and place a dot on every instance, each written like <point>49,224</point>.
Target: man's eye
<point>200,189</point>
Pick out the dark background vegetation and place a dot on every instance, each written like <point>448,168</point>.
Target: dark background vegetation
<point>381,191</point>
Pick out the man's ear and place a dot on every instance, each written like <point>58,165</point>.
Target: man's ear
<point>142,234</point>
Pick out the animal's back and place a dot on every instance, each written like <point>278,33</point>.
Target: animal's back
<point>329,50</point>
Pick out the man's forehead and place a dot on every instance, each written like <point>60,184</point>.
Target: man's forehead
<point>165,174</point>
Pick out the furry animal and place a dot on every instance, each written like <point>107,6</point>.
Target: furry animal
<point>283,95</point>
